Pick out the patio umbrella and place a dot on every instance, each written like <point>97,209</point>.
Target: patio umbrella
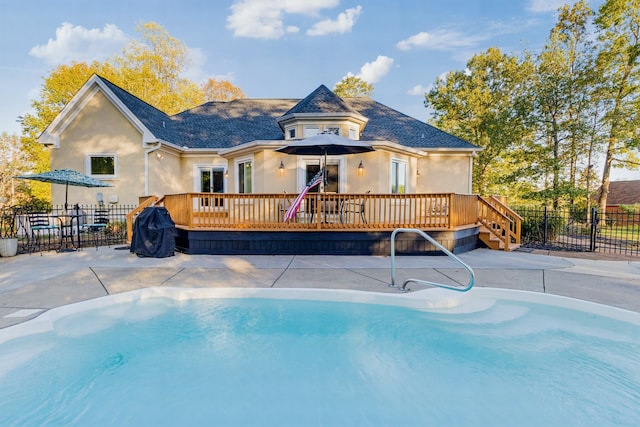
<point>325,144</point>
<point>67,177</point>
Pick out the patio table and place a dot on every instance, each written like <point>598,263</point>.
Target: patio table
<point>68,241</point>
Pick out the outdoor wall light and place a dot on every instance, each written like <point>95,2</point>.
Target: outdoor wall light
<point>281,168</point>
<point>226,173</point>
<point>417,172</point>
<point>159,156</point>
<point>360,168</point>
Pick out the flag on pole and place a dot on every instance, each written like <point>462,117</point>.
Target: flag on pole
<point>295,206</point>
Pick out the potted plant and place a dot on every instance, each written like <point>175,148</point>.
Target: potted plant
<point>8,233</point>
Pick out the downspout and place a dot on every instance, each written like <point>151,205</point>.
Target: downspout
<point>470,190</point>
<point>146,166</point>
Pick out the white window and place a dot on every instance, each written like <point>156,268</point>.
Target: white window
<point>311,131</point>
<point>291,133</point>
<point>353,134</point>
<point>332,129</point>
<point>398,176</point>
<point>245,176</point>
<point>102,166</point>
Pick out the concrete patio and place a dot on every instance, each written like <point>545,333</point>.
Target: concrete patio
<point>32,284</point>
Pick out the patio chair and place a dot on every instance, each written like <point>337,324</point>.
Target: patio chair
<point>41,225</point>
<point>98,226</point>
<point>351,207</point>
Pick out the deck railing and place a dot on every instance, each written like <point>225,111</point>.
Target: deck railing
<point>321,211</point>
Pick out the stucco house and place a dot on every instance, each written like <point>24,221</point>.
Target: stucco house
<point>229,147</point>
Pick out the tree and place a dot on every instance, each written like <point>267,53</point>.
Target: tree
<point>151,68</point>
<point>563,97</point>
<point>487,105</point>
<point>353,87</point>
<point>221,90</point>
<point>13,161</point>
<point>618,22</point>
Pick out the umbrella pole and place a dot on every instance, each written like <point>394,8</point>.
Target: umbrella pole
<point>66,195</point>
<point>324,173</point>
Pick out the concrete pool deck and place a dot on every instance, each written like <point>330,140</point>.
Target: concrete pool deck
<point>33,284</point>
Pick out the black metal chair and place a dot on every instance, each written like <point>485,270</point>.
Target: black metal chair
<point>42,225</point>
<point>98,226</point>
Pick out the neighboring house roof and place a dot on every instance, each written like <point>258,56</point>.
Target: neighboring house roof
<point>224,125</point>
<point>623,193</point>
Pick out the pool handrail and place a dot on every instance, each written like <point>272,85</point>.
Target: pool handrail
<point>425,282</point>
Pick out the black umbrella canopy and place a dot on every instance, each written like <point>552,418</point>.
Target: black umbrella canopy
<point>66,177</point>
<point>326,144</point>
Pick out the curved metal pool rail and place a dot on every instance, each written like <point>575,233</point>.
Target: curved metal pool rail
<point>425,282</point>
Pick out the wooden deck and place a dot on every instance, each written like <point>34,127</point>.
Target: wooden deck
<point>334,223</point>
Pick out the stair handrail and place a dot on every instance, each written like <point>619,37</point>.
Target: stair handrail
<point>149,201</point>
<point>426,282</point>
<point>507,220</point>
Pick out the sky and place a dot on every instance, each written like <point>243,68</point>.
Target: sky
<point>274,48</point>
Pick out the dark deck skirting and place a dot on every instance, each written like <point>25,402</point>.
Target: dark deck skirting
<point>207,242</point>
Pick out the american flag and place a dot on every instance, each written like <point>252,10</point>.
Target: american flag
<point>295,206</point>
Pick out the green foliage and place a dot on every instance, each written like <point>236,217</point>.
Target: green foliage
<point>487,105</point>
<point>618,63</point>
<point>543,120</point>
<point>535,222</point>
<point>631,209</point>
<point>353,87</point>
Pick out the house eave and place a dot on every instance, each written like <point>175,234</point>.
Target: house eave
<point>251,147</point>
<point>360,119</point>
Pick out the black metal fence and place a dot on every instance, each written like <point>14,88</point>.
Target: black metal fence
<point>580,230</point>
<point>87,226</point>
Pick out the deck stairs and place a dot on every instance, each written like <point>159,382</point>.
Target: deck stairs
<point>500,226</point>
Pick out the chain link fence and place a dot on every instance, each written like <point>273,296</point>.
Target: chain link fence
<point>580,231</point>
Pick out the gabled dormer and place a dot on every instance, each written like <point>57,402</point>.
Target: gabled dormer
<point>322,111</point>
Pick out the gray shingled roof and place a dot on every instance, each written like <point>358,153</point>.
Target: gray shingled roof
<point>388,124</point>
<point>321,100</point>
<point>159,123</point>
<point>229,124</point>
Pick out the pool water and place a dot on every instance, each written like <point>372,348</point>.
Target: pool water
<point>253,361</point>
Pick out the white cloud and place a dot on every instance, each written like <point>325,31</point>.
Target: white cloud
<point>342,24</point>
<point>440,40</point>
<point>418,90</point>
<point>76,43</point>
<point>196,71</point>
<point>264,19</point>
<point>372,72</point>
<point>544,6</point>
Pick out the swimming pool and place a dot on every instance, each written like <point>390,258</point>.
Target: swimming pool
<point>259,357</point>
